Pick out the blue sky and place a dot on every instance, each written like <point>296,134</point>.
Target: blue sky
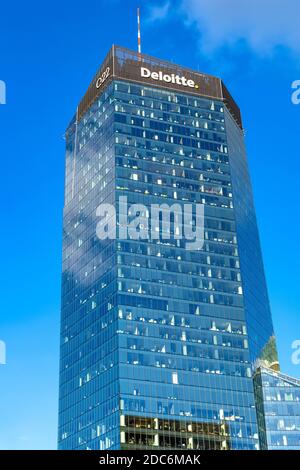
<point>49,52</point>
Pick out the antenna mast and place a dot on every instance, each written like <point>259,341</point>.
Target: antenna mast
<point>139,31</point>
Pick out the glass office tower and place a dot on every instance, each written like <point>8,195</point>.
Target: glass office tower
<point>158,342</point>
<point>278,410</point>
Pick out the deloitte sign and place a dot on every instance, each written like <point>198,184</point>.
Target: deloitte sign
<point>172,78</point>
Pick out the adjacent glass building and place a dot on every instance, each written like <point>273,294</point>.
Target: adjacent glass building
<point>159,343</point>
<point>278,410</point>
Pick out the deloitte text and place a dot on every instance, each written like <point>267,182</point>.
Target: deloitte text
<point>172,78</point>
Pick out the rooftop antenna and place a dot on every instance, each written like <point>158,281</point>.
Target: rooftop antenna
<point>139,31</point>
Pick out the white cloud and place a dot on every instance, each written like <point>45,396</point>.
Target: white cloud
<point>157,13</point>
<point>263,24</point>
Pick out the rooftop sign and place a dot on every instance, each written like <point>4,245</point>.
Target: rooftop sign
<point>123,64</point>
<point>164,77</point>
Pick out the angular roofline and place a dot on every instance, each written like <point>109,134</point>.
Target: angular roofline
<point>210,86</point>
<point>285,377</point>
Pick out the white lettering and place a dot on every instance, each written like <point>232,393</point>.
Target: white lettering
<point>106,228</point>
<point>146,73</point>
<point>296,94</point>
<point>2,352</point>
<point>102,77</point>
<point>296,354</point>
<point>2,92</point>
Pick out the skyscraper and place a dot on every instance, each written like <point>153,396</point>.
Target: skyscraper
<point>278,410</point>
<point>159,343</point>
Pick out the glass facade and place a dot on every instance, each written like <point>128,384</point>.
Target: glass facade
<point>159,343</point>
<point>278,410</point>
<point>255,295</point>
